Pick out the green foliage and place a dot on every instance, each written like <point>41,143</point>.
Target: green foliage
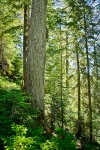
<point>88,146</point>
<point>65,139</point>
<point>11,29</point>
<point>15,110</point>
<point>19,128</point>
<point>13,107</point>
<point>61,140</point>
<point>17,69</point>
<point>19,140</point>
<point>50,145</point>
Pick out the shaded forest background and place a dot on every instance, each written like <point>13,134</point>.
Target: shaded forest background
<point>71,79</point>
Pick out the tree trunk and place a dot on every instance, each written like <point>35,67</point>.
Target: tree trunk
<point>26,47</point>
<point>88,79</point>
<point>67,69</point>
<point>0,56</point>
<point>78,90</point>
<point>37,44</point>
<point>61,81</point>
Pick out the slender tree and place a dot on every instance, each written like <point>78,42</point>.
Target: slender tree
<point>61,79</point>
<point>67,63</point>
<point>78,90</point>
<point>26,46</point>
<point>88,77</point>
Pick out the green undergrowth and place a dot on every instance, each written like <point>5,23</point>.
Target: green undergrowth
<point>19,126</point>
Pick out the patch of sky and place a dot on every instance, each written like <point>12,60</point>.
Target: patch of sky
<point>58,4</point>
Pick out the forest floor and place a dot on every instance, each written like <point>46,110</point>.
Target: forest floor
<point>19,129</point>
